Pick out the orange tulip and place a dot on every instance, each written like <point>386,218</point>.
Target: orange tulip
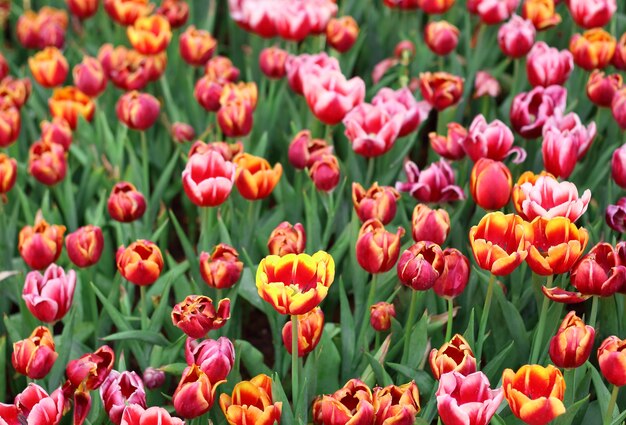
<point>534,393</point>
<point>140,263</point>
<point>555,245</point>
<point>8,173</point>
<point>255,179</point>
<point>396,405</point>
<point>295,283</point>
<point>68,103</point>
<point>222,268</point>
<point>441,89</point>
<point>287,239</point>
<point>349,405</point>
<point>251,403</point>
<point>196,46</point>
<point>455,355</point>
<point>342,33</point>
<point>126,12</point>
<point>593,49</point>
<point>49,67</point>
<point>40,245</point>
<point>310,327</point>
<point>572,344</point>
<point>150,35</point>
<point>499,242</point>
<point>541,13</point>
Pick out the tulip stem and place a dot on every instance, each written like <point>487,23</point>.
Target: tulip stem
<point>144,307</point>
<point>594,312</point>
<point>570,389</point>
<point>365,322</point>
<point>611,407</point>
<point>145,161</point>
<point>541,325</point>
<point>409,324</point>
<point>450,317</point>
<point>370,171</point>
<point>482,327</point>
<point>294,360</point>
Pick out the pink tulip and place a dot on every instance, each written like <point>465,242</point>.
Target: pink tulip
<point>120,390</point>
<point>571,125</point>
<point>450,146</point>
<point>298,66</point>
<point>546,66</point>
<point>214,357</point>
<point>208,178</point>
<point>492,11</point>
<point>559,152</point>
<point>492,140</point>
<point>433,184</point>
<point>618,166</point>
<point>34,406</point>
<point>616,216</point>
<point>467,400</point>
<point>402,102</point>
<point>137,415</point>
<point>49,296</point>
<point>530,110</point>
<point>591,13</point>
<point>371,130</point>
<point>381,68</point>
<point>549,198</point>
<point>516,37</point>
<point>292,21</point>
<point>331,96</point>
<point>486,85</point>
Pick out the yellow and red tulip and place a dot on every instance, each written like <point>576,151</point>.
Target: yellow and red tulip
<point>455,355</point>
<point>572,344</point>
<point>310,328</point>
<point>84,245</point>
<point>150,35</point>
<point>377,250</point>
<point>255,178</point>
<point>251,402</point>
<point>222,268</point>
<point>49,67</point>
<point>196,315</point>
<point>140,263</point>
<point>69,103</point>
<point>40,245</point>
<point>287,239</point>
<point>35,355</point>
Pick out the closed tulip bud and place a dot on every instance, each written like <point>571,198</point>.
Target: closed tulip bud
<point>208,178</point>
<point>196,315</point>
<point>516,37</point>
<point>138,111</point>
<point>196,46</point>
<point>492,140</point>
<point>57,131</point>
<point>182,132</point>
<point>83,9</point>
<point>8,173</point>
<point>47,162</point>
<point>310,327</point>
<point>153,378</point>
<point>49,67</point>
<point>140,263</point>
<point>126,12</point>
<point>499,242</point>
<point>599,272</point>
<point>255,178</point>
<point>40,245</point>
<point>591,14</point>
<point>137,415</point>
<point>89,77</point>
<point>377,202</point>
<point>405,49</point>
<point>430,225</point>
<point>221,68</point>
<point>351,404</point>
<point>397,405</point>
<point>92,369</point>
<point>49,296</point>
<point>618,166</point>
<point>612,360</point>
<point>330,95</point>
<point>490,184</point>
<point>441,37</point>
<point>619,58</point>
<point>126,203</point>
<point>150,35</point>
<point>175,11</point>
<point>69,103</point>
<point>618,107</point>
<point>530,110</point>
<point>35,355</point>
<point>84,246</point>
<point>304,150</point>
<point>120,390</point>
<point>435,7</point>
<point>546,66</point>
<point>541,13</point>
<point>222,268</point>
<point>252,403</point>
<point>195,394</point>
<point>455,355</point>
<point>572,344</point>
<point>208,92</point>
<point>451,145</point>
<point>325,173</point>
<point>214,357</point>
<point>15,91</point>
<point>593,49</point>
<point>380,316</point>
<point>456,271</point>
<point>235,118</point>
<point>371,130</point>
<point>534,393</point>
<point>559,151</point>
<point>287,239</point>
<point>342,33</point>
<point>616,215</point>
<point>420,265</point>
<point>601,89</point>
<point>441,89</point>
<point>10,122</point>
<point>272,62</point>
<point>376,249</point>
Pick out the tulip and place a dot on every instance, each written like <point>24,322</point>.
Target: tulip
<point>455,355</point>
<point>57,131</point>
<point>541,13</point>
<point>599,272</point>
<point>126,12</point>
<point>380,316</point>
<point>601,89</point>
<point>490,184</point>
<point>420,265</point>
<point>612,360</point>
<point>92,369</point>
<point>126,204</point>
<point>377,202</point>
<point>546,66</point>
<point>295,284</point>
<point>351,404</point>
<point>593,49</point>
<point>207,93</point>
<point>84,245</point>
<point>208,178</point>
<point>376,249</point>
<point>342,33</point>
<point>571,127</point>
<point>35,355</point>
<point>49,67</point>
<point>175,11</point>
<point>402,4</point>
<point>467,399</point>
<point>371,130</point>
<point>455,275</point>
<point>499,242</point>
<point>619,58</point>
<point>16,91</point>
<point>255,178</point>
<point>618,107</point>
<point>325,173</point>
<point>89,76</point>
<point>434,184</point>
<point>221,68</point>
<point>382,67</point>
<point>272,62</point>
<point>150,35</point>
<point>616,215</point>
<point>548,198</point>
<point>34,406</point>
<point>310,327</point>
<point>83,9</point>
<point>287,239</point>
<point>485,84</point>
<point>127,69</point>
<point>49,296</point>
<point>8,173</point>
<point>396,404</point>
<point>435,7</point>
<point>222,268</point>
<point>516,37</point>
<point>401,102</point>
<point>214,357</point>
<point>591,14</point>
<point>441,89</point>
<point>298,66</point>
<point>245,92</point>
<point>492,140</point>
<point>530,110</point>
<point>47,162</point>
<point>138,111</point>
<point>68,103</point>
<point>137,415</point>
<point>451,145</point>
<point>331,96</point>
<point>196,315</point>
<point>430,225</point>
<point>292,23</point>
<point>572,344</point>
<point>441,37</point>
<point>235,118</point>
<point>10,122</point>
<point>534,393</point>
<point>251,403</point>
<point>45,28</point>
<point>304,150</point>
<point>153,378</point>
<point>120,390</point>
<point>194,394</point>
<point>140,263</point>
<point>226,150</point>
<point>560,152</point>
<point>555,245</point>
<point>196,46</point>
<point>40,245</point>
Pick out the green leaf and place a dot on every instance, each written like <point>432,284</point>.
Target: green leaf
<point>381,375</point>
<point>64,348</point>
<point>602,393</point>
<point>514,322</point>
<point>418,341</point>
<point>159,189</point>
<point>251,358</point>
<point>3,366</point>
<point>568,417</point>
<point>247,290</point>
<point>620,419</point>
<point>279,395</point>
<point>492,369</point>
<point>176,369</point>
<point>497,420</point>
<point>160,313</point>
<point>347,331</point>
<point>149,337</point>
<point>327,355</point>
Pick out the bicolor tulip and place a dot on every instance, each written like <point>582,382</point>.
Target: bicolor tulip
<point>441,37</point>
<point>435,7</point>
<point>150,35</point>
<point>197,315</point>
<point>397,405</point>
<point>175,11</point>
<point>10,122</point>
<point>255,178</point>
<point>433,184</point>
<point>380,316</point>
<point>83,9</point>
<point>467,399</point>
<point>546,66</point>
<point>138,111</point>
<point>456,272</point>
<point>195,393</point>
<point>591,14</point>
<point>455,355</point>
<point>137,415</point>
<point>120,390</point>
<point>196,46</point>
<point>325,173</point>
<point>572,344</point>
<point>235,118</point>
<point>57,131</point>
<point>8,173</point>
<point>49,67</point>
<point>89,76</point>
<point>593,49</point>
<point>371,130</point>
<point>441,89</point>
<point>305,150</point>
<point>310,328</point>
<point>90,370</point>
<point>140,263</point>
<point>351,404</point>
<point>420,265</point>
<point>530,110</point>
<point>616,215</point>
<point>40,245</point>
<point>330,95</point>
<point>601,88</point>
<point>272,62</point>
<point>377,250</point>
<point>612,360</point>
<point>222,268</point>
<point>126,12</point>
<point>402,102</point>
<point>126,203</point>
<point>376,202</point>
<point>214,357</point>
<point>251,402</point>
<point>49,296</point>
<point>450,146</point>
<point>287,239</point>
<point>430,224</point>
<point>342,33</point>
<point>47,162</point>
<point>208,178</point>
<point>69,103</point>
<point>490,184</point>
<point>541,13</point>
<point>35,355</point>
<point>516,37</point>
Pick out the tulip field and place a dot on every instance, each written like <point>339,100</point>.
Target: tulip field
<point>327,212</point>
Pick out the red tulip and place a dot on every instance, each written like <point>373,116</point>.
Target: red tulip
<point>456,271</point>
<point>196,315</point>
<point>612,360</point>
<point>420,265</point>
<point>380,316</point>
<point>40,245</point>
<point>140,263</point>
<point>490,184</point>
<point>35,355</point>
<point>126,203</point>
<point>90,370</point>
<point>138,111</point>
<point>47,162</point>
<point>376,249</point>
<point>195,394</point>
<point>214,357</point>
<point>572,344</point>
